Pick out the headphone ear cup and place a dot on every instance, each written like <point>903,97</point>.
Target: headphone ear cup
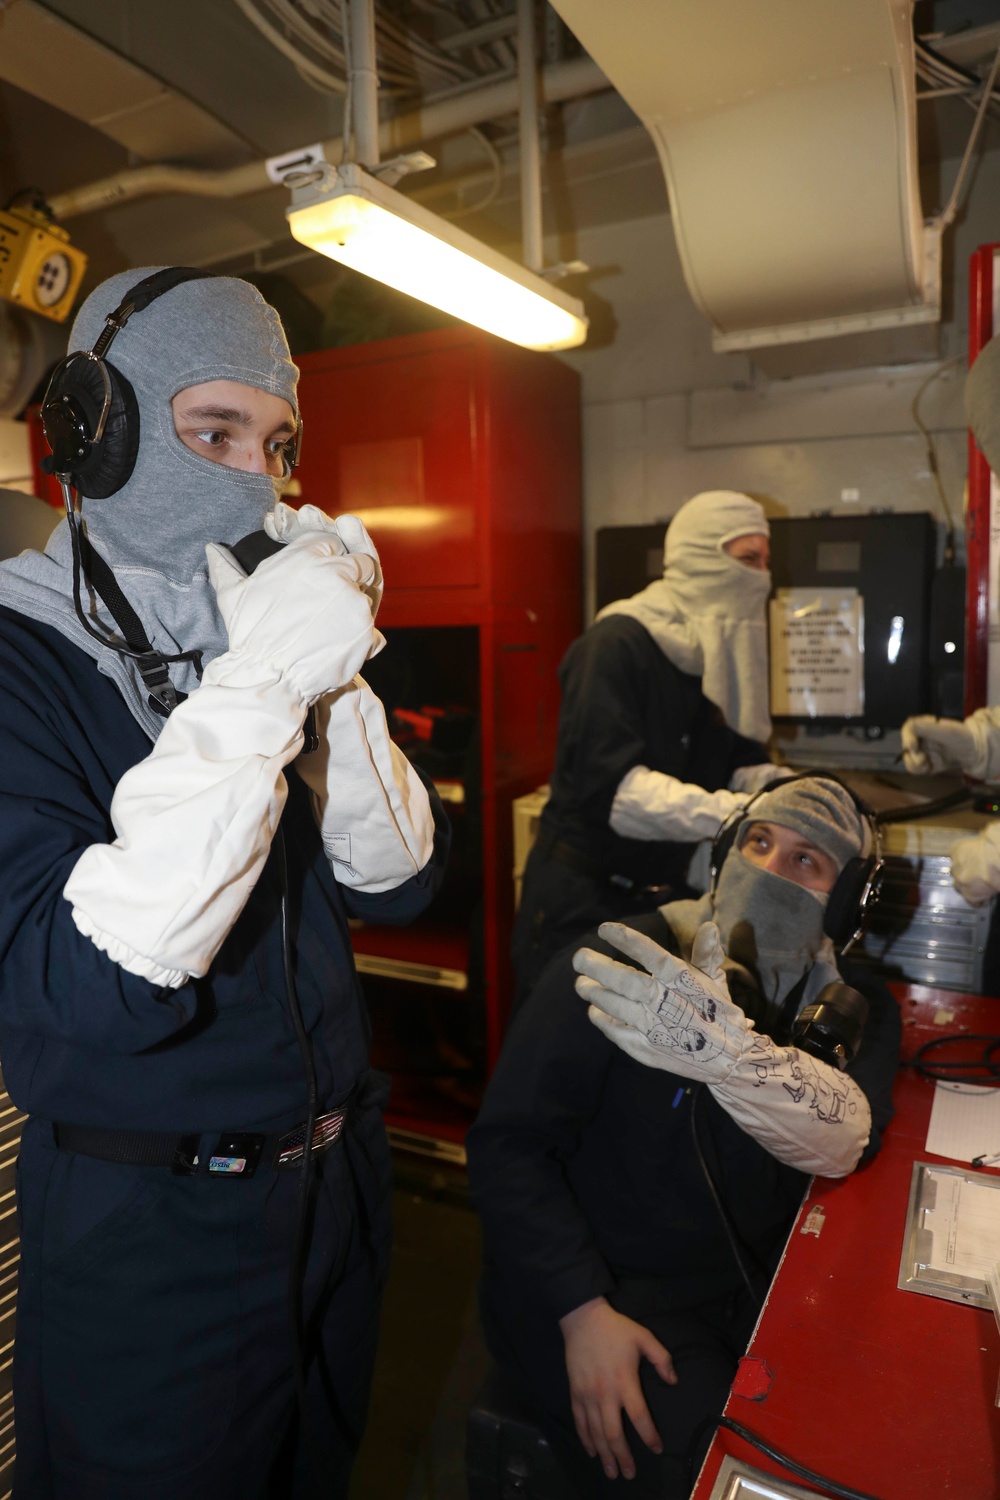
<point>108,464</point>
<point>843,907</point>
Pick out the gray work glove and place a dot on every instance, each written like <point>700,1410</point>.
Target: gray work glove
<point>678,1016</point>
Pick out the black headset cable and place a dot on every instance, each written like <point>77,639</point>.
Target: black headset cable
<point>829,1486</point>
<point>301,1236</point>
<point>735,1245</point>
<point>947,1070</point>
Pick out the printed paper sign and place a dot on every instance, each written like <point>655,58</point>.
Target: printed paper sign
<point>817,653</point>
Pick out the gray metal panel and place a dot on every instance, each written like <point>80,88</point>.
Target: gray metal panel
<point>923,930</point>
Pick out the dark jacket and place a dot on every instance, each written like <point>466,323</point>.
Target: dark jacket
<point>584,1167</point>
<point>82,1040</point>
<point>624,705</point>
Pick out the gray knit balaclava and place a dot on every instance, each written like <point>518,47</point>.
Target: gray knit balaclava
<point>771,928</point>
<point>153,531</point>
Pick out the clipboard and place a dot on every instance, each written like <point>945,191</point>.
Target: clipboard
<point>952,1238</point>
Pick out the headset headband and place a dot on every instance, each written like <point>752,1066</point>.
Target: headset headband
<point>856,887</point>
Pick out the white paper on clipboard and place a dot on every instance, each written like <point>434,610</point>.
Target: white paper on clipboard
<point>964,1226</point>
<point>817,653</point>
<point>965,1121</point>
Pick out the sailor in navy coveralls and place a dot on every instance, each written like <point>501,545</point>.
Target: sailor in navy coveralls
<point>145,1021</point>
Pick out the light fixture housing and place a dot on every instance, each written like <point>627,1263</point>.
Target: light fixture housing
<point>353,218</point>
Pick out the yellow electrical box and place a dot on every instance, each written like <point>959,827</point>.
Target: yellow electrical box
<point>39,269</point>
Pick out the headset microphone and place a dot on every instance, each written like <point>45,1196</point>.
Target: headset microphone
<point>832,1026</point>
<point>250,551</point>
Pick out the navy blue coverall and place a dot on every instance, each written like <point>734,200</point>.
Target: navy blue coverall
<point>152,1352</point>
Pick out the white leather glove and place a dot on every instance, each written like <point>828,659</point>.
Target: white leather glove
<point>679,1017</point>
<point>754,779</point>
<point>194,823</point>
<point>651,805</point>
<point>283,524</point>
<point>194,820</point>
<point>931,744</point>
<point>303,613</point>
<point>975,866</point>
<point>372,808</point>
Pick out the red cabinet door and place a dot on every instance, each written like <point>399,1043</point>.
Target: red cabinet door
<point>395,442</point>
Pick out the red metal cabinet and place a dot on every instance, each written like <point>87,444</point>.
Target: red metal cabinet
<point>462,455</point>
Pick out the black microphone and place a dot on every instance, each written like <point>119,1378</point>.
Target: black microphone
<point>250,551</point>
<point>831,1027</point>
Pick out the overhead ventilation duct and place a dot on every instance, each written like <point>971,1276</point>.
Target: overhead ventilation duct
<point>786,130</point>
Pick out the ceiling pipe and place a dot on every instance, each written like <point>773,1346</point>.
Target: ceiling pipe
<point>531,161</point>
<point>364,82</point>
<point>488,31</point>
<point>559,82</point>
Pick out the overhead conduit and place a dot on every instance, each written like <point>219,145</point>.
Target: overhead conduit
<point>560,81</point>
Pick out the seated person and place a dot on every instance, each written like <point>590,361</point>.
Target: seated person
<point>634,1214</point>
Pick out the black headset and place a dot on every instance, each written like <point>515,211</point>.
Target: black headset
<point>90,415</point>
<point>90,418</point>
<point>856,888</point>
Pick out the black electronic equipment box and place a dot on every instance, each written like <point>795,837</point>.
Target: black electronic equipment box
<point>909,666</point>
<point>889,559</point>
<point>627,558</point>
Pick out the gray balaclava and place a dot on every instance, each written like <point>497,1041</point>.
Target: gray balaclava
<point>153,531</point>
<point>771,928</point>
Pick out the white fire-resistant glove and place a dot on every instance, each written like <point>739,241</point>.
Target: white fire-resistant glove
<point>975,866</point>
<point>679,1017</point>
<point>931,744</point>
<point>651,805</point>
<point>754,779</point>
<point>194,820</point>
<point>193,824</point>
<point>372,808</point>
<point>303,612</point>
<point>283,524</point>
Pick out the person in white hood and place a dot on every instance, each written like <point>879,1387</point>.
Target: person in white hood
<point>971,746</point>
<point>662,732</point>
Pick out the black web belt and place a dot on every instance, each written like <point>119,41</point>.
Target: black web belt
<point>550,846</point>
<point>226,1153</point>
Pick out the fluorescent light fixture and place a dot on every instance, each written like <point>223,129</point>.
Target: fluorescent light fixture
<point>357,220</point>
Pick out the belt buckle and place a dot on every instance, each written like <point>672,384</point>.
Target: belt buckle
<point>291,1147</point>
<point>236,1154</point>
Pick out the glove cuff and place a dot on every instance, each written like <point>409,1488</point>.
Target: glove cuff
<point>244,671</point>
<point>979,726</point>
